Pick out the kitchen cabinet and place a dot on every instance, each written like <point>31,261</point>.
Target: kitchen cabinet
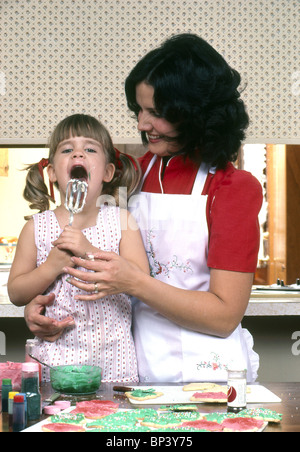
<point>283,182</point>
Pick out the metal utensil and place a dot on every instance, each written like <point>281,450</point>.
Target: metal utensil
<point>41,362</point>
<point>75,197</point>
<point>76,193</point>
<point>122,389</point>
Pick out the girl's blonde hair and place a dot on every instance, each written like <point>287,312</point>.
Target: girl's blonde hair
<point>127,173</point>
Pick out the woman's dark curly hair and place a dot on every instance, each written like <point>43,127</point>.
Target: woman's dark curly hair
<point>195,89</point>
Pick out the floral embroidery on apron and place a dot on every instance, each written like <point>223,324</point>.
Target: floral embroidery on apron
<point>214,363</point>
<point>158,267</point>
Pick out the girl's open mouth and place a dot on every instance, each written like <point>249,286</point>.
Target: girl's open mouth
<point>79,172</point>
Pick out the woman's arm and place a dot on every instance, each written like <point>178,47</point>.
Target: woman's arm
<point>46,328</point>
<point>217,312</point>
<point>26,280</point>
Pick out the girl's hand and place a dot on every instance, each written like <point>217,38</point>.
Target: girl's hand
<point>74,241</point>
<point>57,260</point>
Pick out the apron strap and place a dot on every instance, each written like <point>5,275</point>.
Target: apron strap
<point>200,180</point>
<point>151,163</point>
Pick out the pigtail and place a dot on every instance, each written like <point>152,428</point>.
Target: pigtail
<point>125,180</point>
<point>36,191</point>
<point>130,172</point>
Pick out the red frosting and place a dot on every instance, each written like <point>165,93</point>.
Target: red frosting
<point>60,427</point>
<point>242,423</point>
<point>210,395</point>
<point>203,424</point>
<point>95,409</point>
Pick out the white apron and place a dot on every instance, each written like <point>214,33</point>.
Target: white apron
<point>175,234</point>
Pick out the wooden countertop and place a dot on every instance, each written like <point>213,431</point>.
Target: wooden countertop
<point>289,407</point>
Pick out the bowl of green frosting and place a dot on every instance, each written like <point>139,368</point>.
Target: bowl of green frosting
<point>75,379</point>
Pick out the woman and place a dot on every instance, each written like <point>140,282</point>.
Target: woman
<point>198,216</point>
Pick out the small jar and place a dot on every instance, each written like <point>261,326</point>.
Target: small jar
<point>236,389</point>
<point>31,348</point>
<point>11,396</point>
<point>6,388</point>
<point>19,415</point>
<point>30,386</point>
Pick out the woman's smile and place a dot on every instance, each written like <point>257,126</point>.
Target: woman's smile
<point>158,130</point>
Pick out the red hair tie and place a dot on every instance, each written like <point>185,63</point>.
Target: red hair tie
<point>43,163</point>
<point>119,163</point>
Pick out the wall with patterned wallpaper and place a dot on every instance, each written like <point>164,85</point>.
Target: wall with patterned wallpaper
<point>60,57</point>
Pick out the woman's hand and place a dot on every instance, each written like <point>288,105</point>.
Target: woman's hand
<point>112,274</point>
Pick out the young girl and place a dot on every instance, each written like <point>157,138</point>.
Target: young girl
<point>80,147</point>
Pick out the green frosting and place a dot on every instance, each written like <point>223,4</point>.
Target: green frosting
<point>219,417</point>
<point>68,418</point>
<point>261,413</point>
<point>75,379</point>
<point>143,392</point>
<point>122,419</point>
<point>184,407</point>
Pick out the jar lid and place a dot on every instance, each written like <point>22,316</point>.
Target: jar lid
<point>18,399</point>
<point>12,394</point>
<point>6,381</point>
<point>63,404</point>
<point>52,409</point>
<point>23,394</point>
<point>236,365</point>
<point>30,367</point>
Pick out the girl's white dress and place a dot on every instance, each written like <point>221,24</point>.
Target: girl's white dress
<point>108,342</point>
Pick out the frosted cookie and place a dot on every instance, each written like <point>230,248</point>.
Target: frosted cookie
<point>218,417</point>
<point>121,419</point>
<point>124,428</point>
<point>186,416</point>
<point>261,413</point>
<point>170,420</point>
<point>199,387</point>
<point>242,424</point>
<point>209,397</point>
<point>184,429</point>
<point>139,413</point>
<point>143,394</point>
<point>68,418</point>
<point>166,420</point>
<point>95,409</point>
<point>184,407</point>
<point>203,424</point>
<point>60,427</point>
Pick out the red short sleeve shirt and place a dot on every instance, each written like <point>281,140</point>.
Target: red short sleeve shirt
<point>234,199</point>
